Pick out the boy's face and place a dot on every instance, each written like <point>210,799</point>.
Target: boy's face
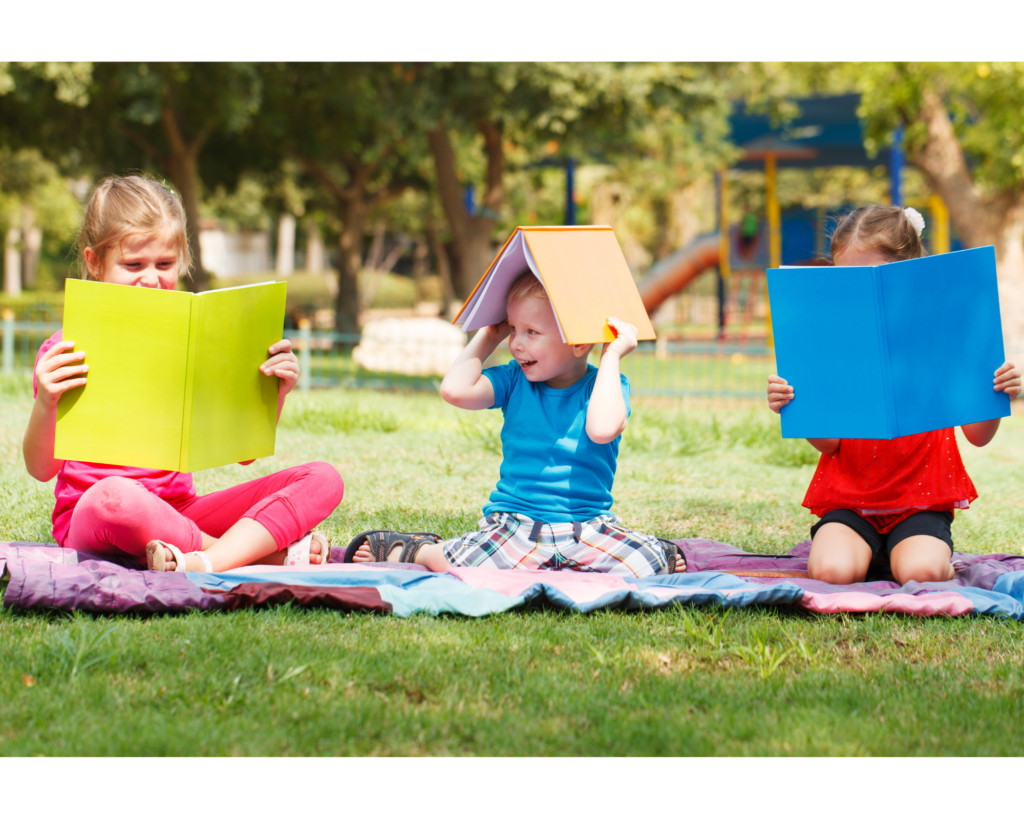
<point>536,344</point>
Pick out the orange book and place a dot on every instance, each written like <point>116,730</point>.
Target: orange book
<point>583,272</point>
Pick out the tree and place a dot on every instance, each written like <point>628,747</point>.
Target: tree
<point>165,114</point>
<point>347,126</point>
<point>584,109</point>
<point>964,130</point>
<point>37,103</point>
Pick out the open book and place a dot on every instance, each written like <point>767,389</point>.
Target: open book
<point>888,351</point>
<point>583,272</point>
<point>174,380</point>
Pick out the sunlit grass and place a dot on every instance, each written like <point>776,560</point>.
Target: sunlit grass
<point>676,682</point>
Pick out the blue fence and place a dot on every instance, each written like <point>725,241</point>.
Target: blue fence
<point>656,368</point>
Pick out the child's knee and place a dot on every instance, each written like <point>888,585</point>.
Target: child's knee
<point>838,574</point>
<point>328,480</point>
<point>930,569</point>
<point>922,559</point>
<point>110,498</point>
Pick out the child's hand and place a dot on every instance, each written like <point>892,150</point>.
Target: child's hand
<point>284,365</point>
<point>779,393</point>
<point>1008,380</point>
<point>60,370</point>
<point>497,333</point>
<point>625,338</point>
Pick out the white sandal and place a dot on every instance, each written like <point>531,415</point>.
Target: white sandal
<point>156,557</point>
<point>298,552</point>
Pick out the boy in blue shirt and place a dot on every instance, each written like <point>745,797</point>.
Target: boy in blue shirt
<point>563,420</point>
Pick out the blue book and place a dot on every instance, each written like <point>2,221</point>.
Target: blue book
<point>891,350</point>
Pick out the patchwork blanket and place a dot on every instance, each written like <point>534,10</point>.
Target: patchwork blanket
<point>47,576</point>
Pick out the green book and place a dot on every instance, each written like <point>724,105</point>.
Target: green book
<point>174,380</point>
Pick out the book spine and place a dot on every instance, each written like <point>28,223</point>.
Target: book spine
<point>892,420</point>
<point>190,384</point>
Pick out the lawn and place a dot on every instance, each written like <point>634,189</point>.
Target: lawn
<point>682,682</point>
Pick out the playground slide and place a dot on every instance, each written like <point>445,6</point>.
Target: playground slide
<point>671,274</point>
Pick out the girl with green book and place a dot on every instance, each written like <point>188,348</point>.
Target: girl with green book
<point>134,234</point>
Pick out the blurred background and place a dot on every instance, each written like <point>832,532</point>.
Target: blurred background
<point>382,191</point>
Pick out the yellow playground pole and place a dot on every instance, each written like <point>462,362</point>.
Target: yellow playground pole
<point>774,233</point>
<point>940,224</point>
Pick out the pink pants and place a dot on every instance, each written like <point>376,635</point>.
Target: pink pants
<point>120,514</point>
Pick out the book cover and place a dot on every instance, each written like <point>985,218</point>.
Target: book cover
<point>174,380</point>
<point>887,351</point>
<point>583,272</point>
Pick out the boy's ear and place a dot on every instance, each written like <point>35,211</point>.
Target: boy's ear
<point>582,350</point>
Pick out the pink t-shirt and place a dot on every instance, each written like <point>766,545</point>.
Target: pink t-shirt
<point>75,477</point>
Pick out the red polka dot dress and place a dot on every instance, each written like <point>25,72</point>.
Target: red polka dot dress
<point>888,481</point>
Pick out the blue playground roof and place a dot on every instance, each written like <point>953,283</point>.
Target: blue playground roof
<point>827,132</point>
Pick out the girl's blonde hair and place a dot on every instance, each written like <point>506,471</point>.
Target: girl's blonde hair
<point>124,206</point>
<point>884,228</point>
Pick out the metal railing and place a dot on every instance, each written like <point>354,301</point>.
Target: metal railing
<point>654,368</point>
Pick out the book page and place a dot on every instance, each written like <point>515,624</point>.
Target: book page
<point>945,339</point>
<point>234,406</point>
<point>135,339</point>
<point>828,346</point>
<point>488,306</point>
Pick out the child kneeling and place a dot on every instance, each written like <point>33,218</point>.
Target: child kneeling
<point>563,419</point>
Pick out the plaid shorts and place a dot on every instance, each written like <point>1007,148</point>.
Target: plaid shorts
<point>506,540</point>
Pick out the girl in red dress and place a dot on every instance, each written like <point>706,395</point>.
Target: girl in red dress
<point>887,506</point>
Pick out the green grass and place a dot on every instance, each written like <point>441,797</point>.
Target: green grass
<point>289,681</point>
<point>649,374</point>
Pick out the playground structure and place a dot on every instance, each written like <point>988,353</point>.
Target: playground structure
<point>827,133</point>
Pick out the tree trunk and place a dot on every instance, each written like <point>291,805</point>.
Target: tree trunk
<point>444,269</point>
<point>471,234</point>
<point>350,242</point>
<point>285,263</point>
<point>12,262</point>
<point>314,248</point>
<point>980,219</point>
<point>1009,245</point>
<point>183,171</point>
<point>182,163</point>
<point>419,266</point>
<point>31,247</point>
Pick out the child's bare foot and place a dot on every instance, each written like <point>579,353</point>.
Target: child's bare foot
<point>680,563</point>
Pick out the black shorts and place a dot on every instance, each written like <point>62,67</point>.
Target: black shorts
<point>933,524</point>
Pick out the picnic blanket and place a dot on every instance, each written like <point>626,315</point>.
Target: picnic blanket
<point>47,576</point>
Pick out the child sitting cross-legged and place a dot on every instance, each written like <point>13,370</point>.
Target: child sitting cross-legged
<point>563,419</point>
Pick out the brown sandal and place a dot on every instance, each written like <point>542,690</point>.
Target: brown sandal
<point>383,541</point>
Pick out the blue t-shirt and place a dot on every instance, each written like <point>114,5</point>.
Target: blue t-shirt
<point>550,470</point>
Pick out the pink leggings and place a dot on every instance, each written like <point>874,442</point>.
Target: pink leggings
<point>120,514</point>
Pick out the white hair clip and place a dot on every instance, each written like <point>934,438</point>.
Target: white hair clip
<point>916,219</point>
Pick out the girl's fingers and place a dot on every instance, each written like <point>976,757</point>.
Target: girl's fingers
<point>268,366</point>
<point>63,386</point>
<point>1006,366</point>
<point>57,349</point>
<point>282,346</point>
<point>58,361</point>
<point>59,375</point>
